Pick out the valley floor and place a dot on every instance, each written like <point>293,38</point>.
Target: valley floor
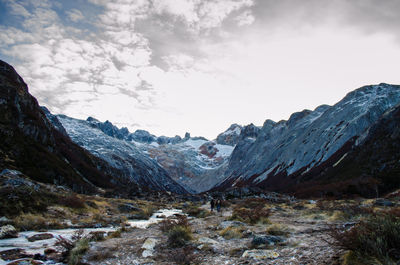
<point>305,242</point>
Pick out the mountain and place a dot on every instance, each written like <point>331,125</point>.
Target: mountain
<point>33,146</point>
<point>36,143</point>
<point>230,136</point>
<point>285,154</point>
<point>194,162</point>
<point>131,163</point>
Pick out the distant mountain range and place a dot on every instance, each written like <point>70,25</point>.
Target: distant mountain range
<point>348,148</point>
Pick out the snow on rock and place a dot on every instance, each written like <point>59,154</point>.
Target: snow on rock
<point>308,138</point>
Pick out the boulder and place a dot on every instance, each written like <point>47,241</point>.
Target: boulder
<point>38,237</point>
<point>267,240</point>
<point>128,207</point>
<point>8,231</point>
<point>383,202</point>
<point>148,247</point>
<point>13,254</point>
<point>226,224</point>
<point>260,254</point>
<point>5,221</point>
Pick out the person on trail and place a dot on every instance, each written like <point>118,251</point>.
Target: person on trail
<point>212,204</point>
<point>218,205</point>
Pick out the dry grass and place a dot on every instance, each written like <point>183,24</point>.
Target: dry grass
<point>232,232</point>
<point>278,230</point>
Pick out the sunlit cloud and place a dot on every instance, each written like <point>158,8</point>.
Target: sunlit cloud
<point>198,65</point>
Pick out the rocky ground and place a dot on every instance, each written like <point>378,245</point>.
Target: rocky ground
<point>258,230</point>
<point>304,240</point>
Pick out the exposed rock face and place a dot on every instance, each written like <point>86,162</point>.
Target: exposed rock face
<point>370,168</point>
<point>286,153</point>
<point>208,149</point>
<point>194,162</point>
<point>35,143</point>
<point>131,163</point>
<point>230,136</point>
<point>32,145</point>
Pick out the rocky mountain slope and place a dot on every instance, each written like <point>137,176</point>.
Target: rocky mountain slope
<point>194,162</point>
<point>31,144</point>
<point>284,154</point>
<point>131,162</point>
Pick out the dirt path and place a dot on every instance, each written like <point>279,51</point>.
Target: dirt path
<point>306,242</point>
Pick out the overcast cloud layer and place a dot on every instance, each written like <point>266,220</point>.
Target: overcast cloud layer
<point>171,66</point>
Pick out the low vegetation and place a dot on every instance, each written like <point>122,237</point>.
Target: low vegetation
<point>374,240</point>
<point>251,211</point>
<point>178,231</point>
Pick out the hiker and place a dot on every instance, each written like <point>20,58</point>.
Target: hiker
<point>212,203</point>
<point>218,205</point>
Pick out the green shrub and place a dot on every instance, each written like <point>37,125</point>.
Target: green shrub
<point>75,255</point>
<point>376,240</point>
<point>179,236</point>
<point>197,212</point>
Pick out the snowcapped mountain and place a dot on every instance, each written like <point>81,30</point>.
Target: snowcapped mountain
<point>194,162</point>
<point>230,136</point>
<point>131,163</point>
<point>284,153</point>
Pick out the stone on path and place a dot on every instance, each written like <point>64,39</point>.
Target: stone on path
<point>148,247</point>
<point>260,254</point>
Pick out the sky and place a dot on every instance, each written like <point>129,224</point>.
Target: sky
<point>176,66</point>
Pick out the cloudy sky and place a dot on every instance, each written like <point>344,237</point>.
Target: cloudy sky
<point>171,66</point>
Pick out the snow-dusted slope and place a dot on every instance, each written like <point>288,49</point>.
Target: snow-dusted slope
<point>307,139</point>
<point>124,156</point>
<point>193,162</point>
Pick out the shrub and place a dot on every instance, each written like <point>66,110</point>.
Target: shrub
<point>197,212</point>
<point>232,232</point>
<point>30,221</point>
<point>72,201</point>
<point>278,230</point>
<point>376,238</point>
<point>77,252</point>
<point>74,248</point>
<point>178,236</point>
<point>115,234</point>
<point>167,224</point>
<point>182,256</point>
<point>250,216</point>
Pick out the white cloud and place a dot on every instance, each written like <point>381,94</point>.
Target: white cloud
<point>192,65</point>
<point>75,15</point>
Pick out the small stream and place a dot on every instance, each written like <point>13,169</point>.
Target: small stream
<point>40,245</point>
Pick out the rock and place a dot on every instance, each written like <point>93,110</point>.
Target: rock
<point>13,254</point>
<point>128,207</point>
<point>97,235</point>
<point>383,202</point>
<point>266,240</point>
<point>5,221</point>
<point>260,254</point>
<point>226,224</point>
<point>49,251</point>
<point>206,240</point>
<point>148,247</point>
<point>8,231</point>
<point>37,237</point>
<point>26,262</point>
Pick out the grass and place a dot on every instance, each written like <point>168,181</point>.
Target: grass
<point>179,236</point>
<point>80,248</point>
<point>196,211</point>
<point>278,230</point>
<point>232,232</point>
